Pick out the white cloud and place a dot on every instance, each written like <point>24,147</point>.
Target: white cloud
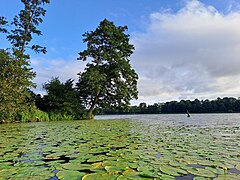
<point>64,69</point>
<point>194,53</point>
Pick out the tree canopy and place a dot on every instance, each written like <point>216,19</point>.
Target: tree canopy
<point>16,75</point>
<point>61,98</point>
<point>108,79</point>
<point>25,26</point>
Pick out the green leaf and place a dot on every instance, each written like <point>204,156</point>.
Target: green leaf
<point>202,172</point>
<point>70,175</point>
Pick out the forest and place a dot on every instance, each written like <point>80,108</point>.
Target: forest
<point>65,103</point>
<point>219,105</point>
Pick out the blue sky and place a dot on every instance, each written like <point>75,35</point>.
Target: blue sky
<point>185,49</point>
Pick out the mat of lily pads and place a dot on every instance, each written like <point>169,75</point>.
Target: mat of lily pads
<point>118,149</point>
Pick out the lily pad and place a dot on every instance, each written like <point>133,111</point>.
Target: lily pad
<point>93,176</point>
<point>173,171</point>
<point>202,172</point>
<point>71,166</point>
<point>70,175</point>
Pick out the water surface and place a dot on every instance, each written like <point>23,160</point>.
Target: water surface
<point>139,147</point>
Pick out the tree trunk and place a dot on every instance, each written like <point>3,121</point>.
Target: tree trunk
<point>89,113</point>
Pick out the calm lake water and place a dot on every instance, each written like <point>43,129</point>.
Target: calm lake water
<point>129,147</point>
<point>201,120</point>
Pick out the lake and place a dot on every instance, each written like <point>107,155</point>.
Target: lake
<point>204,146</point>
<point>201,120</point>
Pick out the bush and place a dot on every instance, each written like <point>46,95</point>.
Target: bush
<point>34,115</point>
<point>59,117</point>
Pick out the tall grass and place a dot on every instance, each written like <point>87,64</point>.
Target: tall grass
<point>60,117</point>
<point>34,115</point>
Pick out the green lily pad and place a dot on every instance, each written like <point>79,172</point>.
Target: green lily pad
<point>85,167</point>
<point>70,175</point>
<point>215,170</point>
<point>7,173</point>
<point>238,167</point>
<point>71,166</point>
<point>202,172</point>
<point>173,171</point>
<point>228,176</point>
<point>113,169</point>
<point>97,159</point>
<point>109,163</point>
<point>93,176</point>
<point>166,177</point>
<point>147,174</point>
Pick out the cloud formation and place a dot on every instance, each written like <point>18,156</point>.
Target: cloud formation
<point>193,53</point>
<point>47,69</point>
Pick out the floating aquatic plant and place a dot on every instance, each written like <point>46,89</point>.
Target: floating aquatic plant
<point>118,149</point>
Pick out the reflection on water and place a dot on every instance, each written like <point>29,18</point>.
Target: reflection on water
<point>204,120</point>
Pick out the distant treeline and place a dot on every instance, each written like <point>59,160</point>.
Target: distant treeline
<point>219,105</point>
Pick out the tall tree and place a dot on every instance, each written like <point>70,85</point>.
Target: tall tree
<point>25,25</point>
<point>108,79</point>
<point>14,84</point>
<point>16,75</point>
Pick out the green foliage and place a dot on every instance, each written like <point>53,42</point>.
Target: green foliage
<point>60,117</point>
<point>15,79</point>
<point>15,72</point>
<point>3,22</point>
<point>219,105</point>
<point>25,25</point>
<point>61,99</point>
<point>34,115</point>
<point>108,80</point>
<point>121,149</point>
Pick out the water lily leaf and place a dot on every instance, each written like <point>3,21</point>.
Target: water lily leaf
<point>238,167</point>
<point>5,165</point>
<point>113,169</point>
<point>97,158</point>
<point>201,172</point>
<point>42,172</point>
<point>130,172</point>
<point>123,164</point>
<point>71,166</point>
<point>215,170</point>
<point>172,170</point>
<point>228,176</point>
<point>7,173</point>
<point>109,163</point>
<point>147,174</point>
<point>166,177</point>
<point>53,156</point>
<point>176,163</point>
<point>70,175</point>
<point>84,167</point>
<point>133,165</point>
<point>97,165</point>
<point>109,176</point>
<point>93,176</point>
<point>99,150</point>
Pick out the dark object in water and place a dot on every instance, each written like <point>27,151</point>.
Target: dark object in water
<point>188,115</point>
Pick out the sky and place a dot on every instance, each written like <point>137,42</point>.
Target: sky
<point>184,49</point>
